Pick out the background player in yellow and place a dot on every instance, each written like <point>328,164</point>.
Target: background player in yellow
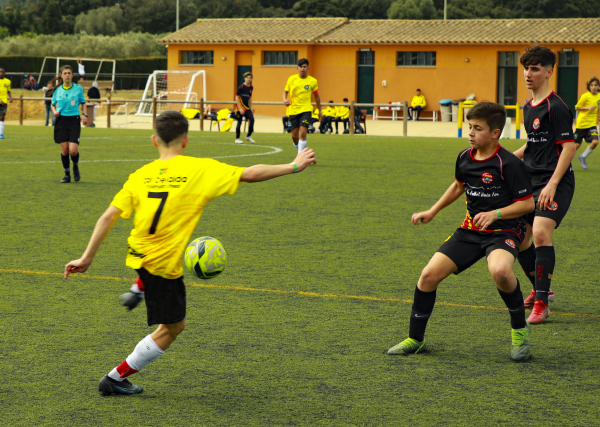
<point>168,197</point>
<point>587,119</point>
<point>297,94</point>
<point>5,97</point>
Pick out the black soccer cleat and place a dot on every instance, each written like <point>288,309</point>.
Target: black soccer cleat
<point>131,299</point>
<point>108,386</point>
<point>76,175</point>
<point>66,179</point>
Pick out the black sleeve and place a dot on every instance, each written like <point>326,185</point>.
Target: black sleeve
<point>518,180</point>
<point>238,90</point>
<point>458,173</point>
<point>562,120</point>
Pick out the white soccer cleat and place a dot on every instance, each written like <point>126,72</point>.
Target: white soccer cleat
<point>239,141</point>
<point>249,139</point>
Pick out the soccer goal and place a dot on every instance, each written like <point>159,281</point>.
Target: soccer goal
<point>87,62</point>
<point>186,86</point>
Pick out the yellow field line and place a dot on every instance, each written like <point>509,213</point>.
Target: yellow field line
<point>279,291</point>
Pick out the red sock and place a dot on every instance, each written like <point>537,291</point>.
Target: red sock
<point>140,284</point>
<point>125,370</point>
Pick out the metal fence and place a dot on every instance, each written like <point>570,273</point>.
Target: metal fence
<point>354,107</point>
<point>122,81</point>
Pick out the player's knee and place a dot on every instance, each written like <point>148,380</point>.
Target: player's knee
<point>501,274</point>
<point>542,239</point>
<point>430,278</point>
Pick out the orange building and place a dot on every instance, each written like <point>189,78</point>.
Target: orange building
<point>381,61</point>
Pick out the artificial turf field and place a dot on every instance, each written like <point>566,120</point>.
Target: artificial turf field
<point>321,274</point>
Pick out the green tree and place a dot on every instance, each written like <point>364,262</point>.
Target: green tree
<point>52,18</point>
<point>319,8</point>
<point>158,16</point>
<point>4,33</point>
<point>108,21</point>
<point>412,9</point>
<point>369,9</point>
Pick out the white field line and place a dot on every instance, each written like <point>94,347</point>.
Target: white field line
<point>275,151</point>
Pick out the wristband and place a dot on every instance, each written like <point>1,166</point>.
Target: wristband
<point>499,214</point>
<point>295,167</point>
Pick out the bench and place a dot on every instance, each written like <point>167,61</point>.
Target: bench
<point>433,117</point>
<point>394,107</point>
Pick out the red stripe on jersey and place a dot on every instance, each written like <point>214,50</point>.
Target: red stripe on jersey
<point>539,103</point>
<point>462,182</point>
<point>316,92</point>
<point>523,198</point>
<point>566,140</point>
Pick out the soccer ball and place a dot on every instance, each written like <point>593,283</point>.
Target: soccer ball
<point>205,257</point>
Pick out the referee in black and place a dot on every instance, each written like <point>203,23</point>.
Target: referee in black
<point>66,101</point>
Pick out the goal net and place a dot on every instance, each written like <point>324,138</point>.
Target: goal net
<point>184,88</point>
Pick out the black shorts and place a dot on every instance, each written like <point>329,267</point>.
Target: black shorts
<point>466,247</point>
<point>589,134</point>
<point>302,119</point>
<point>3,108</point>
<point>67,129</point>
<point>562,199</point>
<point>165,298</point>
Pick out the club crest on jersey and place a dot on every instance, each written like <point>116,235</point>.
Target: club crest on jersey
<point>163,170</point>
<point>306,87</point>
<point>553,206</point>
<point>536,124</point>
<point>510,243</point>
<point>487,178</point>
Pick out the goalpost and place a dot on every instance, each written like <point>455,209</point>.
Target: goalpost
<point>100,61</point>
<point>188,86</point>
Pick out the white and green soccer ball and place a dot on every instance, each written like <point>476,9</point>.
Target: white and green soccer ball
<point>205,257</point>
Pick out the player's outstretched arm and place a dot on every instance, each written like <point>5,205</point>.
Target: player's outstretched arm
<point>453,192</point>
<point>484,219</point>
<point>258,173</point>
<point>102,228</point>
<point>286,99</point>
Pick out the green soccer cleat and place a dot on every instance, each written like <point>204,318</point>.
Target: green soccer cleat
<point>406,347</point>
<point>520,344</point>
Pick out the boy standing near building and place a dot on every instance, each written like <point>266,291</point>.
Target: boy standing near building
<point>297,94</point>
<point>547,157</point>
<point>587,120</point>
<point>5,97</point>
<point>168,196</point>
<point>499,193</point>
<point>243,106</point>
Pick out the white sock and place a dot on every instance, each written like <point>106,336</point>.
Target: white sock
<point>295,146</point>
<point>135,289</point>
<point>1,128</point>
<point>144,353</point>
<point>587,152</point>
<point>301,145</point>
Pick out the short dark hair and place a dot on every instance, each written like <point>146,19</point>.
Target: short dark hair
<point>418,90</point>
<point>247,73</point>
<point>538,55</point>
<point>302,62</point>
<point>493,114</point>
<point>170,126</point>
<point>345,99</point>
<point>331,102</point>
<point>590,81</point>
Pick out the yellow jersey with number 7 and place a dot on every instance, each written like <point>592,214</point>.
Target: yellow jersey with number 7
<point>168,197</point>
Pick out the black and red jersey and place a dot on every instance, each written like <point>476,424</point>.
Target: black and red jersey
<point>491,184</point>
<point>548,125</point>
<point>245,92</point>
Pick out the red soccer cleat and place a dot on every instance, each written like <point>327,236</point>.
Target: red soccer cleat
<point>528,302</point>
<point>539,313</point>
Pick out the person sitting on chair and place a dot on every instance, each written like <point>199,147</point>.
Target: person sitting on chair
<point>417,104</point>
<point>342,114</point>
<point>328,117</point>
